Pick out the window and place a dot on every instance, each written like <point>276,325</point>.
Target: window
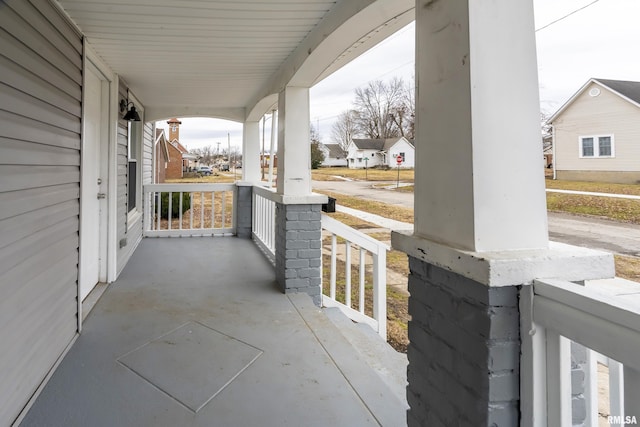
<point>604,146</point>
<point>134,199</point>
<point>596,146</point>
<point>587,147</point>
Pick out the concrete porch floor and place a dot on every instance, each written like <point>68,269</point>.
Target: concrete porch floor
<point>195,333</point>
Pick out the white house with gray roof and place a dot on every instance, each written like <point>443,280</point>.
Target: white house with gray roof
<point>596,133</point>
<point>334,155</point>
<point>380,152</point>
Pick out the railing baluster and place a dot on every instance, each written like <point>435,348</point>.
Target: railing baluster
<point>631,394</point>
<point>616,389</point>
<point>213,207</point>
<point>332,272</point>
<point>254,205</point>
<point>180,213</point>
<point>558,379</point>
<point>347,272</point>
<point>362,281</point>
<point>191,210</point>
<point>380,290</point>
<point>264,224</point>
<point>159,210</point>
<point>170,209</point>
<point>591,388</point>
<point>223,209</point>
<point>202,209</point>
<point>269,227</point>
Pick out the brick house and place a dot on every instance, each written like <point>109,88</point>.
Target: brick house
<point>162,156</point>
<point>178,155</point>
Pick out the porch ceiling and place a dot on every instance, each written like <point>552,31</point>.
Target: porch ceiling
<point>222,58</point>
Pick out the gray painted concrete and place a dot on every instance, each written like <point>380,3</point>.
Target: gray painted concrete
<point>196,333</point>
<point>390,365</point>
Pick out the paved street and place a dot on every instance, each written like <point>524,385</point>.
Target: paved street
<point>612,236</point>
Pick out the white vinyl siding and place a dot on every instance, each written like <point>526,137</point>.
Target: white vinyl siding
<point>404,148</point>
<point>129,225</point>
<point>40,127</point>
<point>604,115</point>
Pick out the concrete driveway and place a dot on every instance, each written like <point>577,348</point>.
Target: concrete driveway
<point>595,233</point>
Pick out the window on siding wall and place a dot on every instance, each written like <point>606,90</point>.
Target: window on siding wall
<point>133,177</point>
<point>596,146</point>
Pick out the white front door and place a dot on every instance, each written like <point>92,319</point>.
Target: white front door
<point>92,237</point>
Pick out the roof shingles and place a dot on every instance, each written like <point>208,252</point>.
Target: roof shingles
<point>628,89</point>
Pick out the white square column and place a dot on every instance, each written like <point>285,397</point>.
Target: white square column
<point>479,185</point>
<point>294,151</point>
<point>251,152</point>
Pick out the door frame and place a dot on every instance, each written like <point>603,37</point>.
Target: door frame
<point>107,251</point>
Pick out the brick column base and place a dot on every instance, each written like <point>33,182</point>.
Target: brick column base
<point>298,249</point>
<point>464,351</point>
<point>245,210</point>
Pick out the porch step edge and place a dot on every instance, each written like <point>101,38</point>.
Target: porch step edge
<point>389,364</point>
<point>382,402</point>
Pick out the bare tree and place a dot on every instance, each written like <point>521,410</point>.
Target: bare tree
<point>206,154</point>
<point>380,112</point>
<point>344,128</point>
<point>404,115</point>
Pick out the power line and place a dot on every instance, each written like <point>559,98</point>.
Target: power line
<point>567,15</point>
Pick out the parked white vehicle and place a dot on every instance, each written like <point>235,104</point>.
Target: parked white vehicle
<point>204,170</point>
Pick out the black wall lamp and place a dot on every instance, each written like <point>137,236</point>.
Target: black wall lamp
<point>132,114</point>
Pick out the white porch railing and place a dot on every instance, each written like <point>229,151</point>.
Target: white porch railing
<point>264,220</point>
<point>184,210</point>
<point>374,289</point>
<point>558,312</point>
<point>370,304</point>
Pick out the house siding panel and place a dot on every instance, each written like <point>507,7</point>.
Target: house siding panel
<point>129,234</point>
<point>37,44</point>
<point>402,146</point>
<point>40,118</point>
<point>606,114</point>
<point>147,154</point>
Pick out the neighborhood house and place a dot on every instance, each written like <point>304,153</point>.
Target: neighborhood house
<point>596,133</point>
<point>180,160</point>
<point>369,153</point>
<point>334,155</point>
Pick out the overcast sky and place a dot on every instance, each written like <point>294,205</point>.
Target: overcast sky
<point>599,41</point>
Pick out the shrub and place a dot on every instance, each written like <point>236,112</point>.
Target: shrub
<point>175,204</point>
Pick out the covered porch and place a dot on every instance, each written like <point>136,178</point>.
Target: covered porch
<point>494,303</point>
<point>195,332</point>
